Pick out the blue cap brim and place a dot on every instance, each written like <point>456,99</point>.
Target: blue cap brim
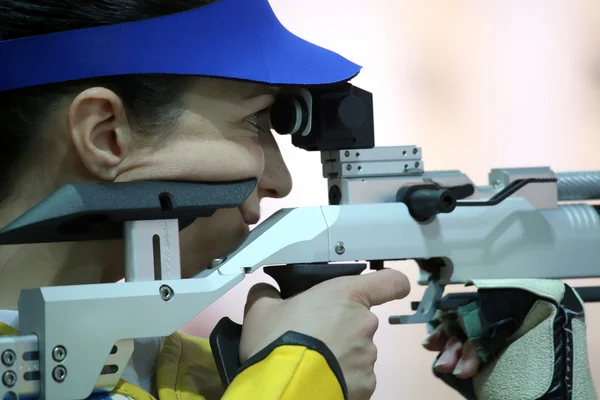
<point>237,39</point>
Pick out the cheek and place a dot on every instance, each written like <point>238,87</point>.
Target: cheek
<point>220,160</point>
<point>234,159</point>
<point>204,160</point>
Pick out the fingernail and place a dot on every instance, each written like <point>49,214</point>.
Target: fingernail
<point>457,371</point>
<point>439,363</point>
<point>442,360</point>
<point>452,342</point>
<point>425,342</point>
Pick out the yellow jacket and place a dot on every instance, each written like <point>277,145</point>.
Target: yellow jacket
<point>294,367</point>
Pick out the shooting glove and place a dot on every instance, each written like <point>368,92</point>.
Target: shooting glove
<point>531,337</point>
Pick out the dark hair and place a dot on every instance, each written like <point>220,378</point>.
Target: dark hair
<point>151,101</point>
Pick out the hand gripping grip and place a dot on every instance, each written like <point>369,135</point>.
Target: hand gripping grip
<point>291,279</point>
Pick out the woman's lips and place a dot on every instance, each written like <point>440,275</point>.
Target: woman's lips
<point>251,217</point>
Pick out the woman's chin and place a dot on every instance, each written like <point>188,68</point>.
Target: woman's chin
<point>235,238</point>
<point>241,235</point>
<point>199,251</point>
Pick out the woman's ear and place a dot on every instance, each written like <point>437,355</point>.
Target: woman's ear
<point>100,131</point>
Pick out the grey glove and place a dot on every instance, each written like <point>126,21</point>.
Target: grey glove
<point>531,337</point>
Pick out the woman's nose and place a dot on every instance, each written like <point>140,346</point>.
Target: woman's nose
<point>276,180</point>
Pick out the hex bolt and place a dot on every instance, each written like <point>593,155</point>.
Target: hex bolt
<point>9,378</point>
<point>166,293</point>
<point>59,353</point>
<point>8,358</point>
<point>59,373</point>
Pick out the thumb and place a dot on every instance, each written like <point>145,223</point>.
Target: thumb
<point>258,292</point>
<point>379,287</point>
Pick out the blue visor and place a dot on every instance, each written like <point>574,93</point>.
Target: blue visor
<point>237,39</point>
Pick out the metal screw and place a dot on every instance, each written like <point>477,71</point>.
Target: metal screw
<point>348,167</point>
<point>417,164</point>
<point>59,353</point>
<point>340,248</point>
<point>347,153</point>
<point>10,396</point>
<point>415,151</point>
<point>9,378</point>
<point>59,373</point>
<point>8,358</point>
<point>166,293</point>
<point>216,262</point>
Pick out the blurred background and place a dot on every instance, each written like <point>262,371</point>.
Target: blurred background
<point>478,85</point>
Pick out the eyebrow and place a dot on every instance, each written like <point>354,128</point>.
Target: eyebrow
<point>261,90</point>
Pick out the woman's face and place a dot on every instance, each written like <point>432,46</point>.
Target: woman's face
<point>224,136</point>
<point>221,135</point>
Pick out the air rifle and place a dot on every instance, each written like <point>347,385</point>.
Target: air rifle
<point>383,206</point>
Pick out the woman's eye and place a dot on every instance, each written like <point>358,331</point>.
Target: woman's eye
<point>254,120</point>
<point>257,121</point>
